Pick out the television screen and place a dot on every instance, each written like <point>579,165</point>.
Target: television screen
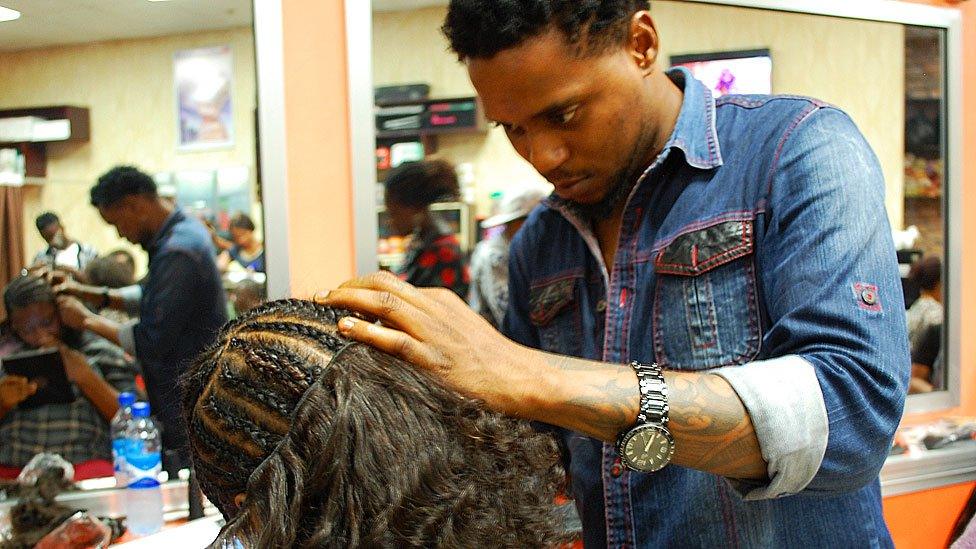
<point>742,72</point>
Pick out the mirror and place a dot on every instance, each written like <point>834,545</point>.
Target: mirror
<point>169,87</point>
<point>894,71</point>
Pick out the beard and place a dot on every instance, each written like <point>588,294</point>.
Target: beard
<point>621,184</point>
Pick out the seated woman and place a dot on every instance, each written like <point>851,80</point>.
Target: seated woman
<point>78,431</point>
<point>244,248</point>
<point>304,439</point>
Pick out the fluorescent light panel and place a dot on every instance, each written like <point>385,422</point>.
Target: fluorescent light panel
<point>7,14</point>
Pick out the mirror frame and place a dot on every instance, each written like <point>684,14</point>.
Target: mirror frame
<point>359,29</point>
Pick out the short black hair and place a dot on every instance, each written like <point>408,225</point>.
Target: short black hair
<point>927,272</point>
<point>420,184</point>
<point>120,182</point>
<point>242,221</point>
<point>45,220</point>
<point>106,271</point>
<point>478,29</point>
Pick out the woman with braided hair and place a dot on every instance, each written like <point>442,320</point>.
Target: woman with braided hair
<point>305,439</point>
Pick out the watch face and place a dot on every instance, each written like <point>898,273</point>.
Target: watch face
<point>648,448</point>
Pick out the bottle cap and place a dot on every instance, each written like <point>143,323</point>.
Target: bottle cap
<point>140,409</point>
<point>126,399</point>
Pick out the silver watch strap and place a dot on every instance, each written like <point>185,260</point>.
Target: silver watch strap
<point>653,394</point>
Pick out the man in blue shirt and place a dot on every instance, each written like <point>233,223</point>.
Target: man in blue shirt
<point>741,244</point>
<point>182,304</point>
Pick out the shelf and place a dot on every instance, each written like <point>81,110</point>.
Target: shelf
<point>449,116</point>
<point>35,152</point>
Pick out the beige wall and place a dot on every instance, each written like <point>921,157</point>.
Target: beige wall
<point>856,65</point>
<point>409,47</point>
<point>128,88</point>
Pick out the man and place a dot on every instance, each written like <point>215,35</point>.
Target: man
<point>739,243</point>
<point>62,252</point>
<point>182,300</point>
<point>488,295</point>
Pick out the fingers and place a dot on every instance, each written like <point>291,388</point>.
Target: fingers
<point>385,306</point>
<point>390,341</point>
<point>384,281</point>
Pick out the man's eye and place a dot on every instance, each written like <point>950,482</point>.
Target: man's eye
<point>567,116</point>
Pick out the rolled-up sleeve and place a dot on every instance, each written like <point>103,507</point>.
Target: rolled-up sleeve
<point>131,298</point>
<point>783,398</point>
<point>829,275</point>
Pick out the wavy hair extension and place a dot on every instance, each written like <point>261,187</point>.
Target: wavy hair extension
<point>336,444</point>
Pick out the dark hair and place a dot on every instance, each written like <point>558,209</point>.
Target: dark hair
<point>45,220</point>
<point>242,221</point>
<point>479,29</point>
<point>120,182</point>
<point>926,272</point>
<point>106,271</point>
<point>420,184</point>
<point>336,444</point>
<point>126,257</point>
<point>30,289</point>
<point>26,290</point>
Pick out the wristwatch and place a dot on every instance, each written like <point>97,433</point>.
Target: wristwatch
<point>648,445</point>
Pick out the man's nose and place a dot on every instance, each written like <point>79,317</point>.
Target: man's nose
<point>546,153</point>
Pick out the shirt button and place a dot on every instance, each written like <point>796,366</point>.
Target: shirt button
<point>869,297</point>
<point>616,470</point>
<point>601,305</point>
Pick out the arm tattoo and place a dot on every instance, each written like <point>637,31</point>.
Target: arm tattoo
<point>711,427</point>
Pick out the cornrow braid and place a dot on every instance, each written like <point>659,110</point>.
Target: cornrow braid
<point>336,444</point>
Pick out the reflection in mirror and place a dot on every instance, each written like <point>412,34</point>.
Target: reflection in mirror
<point>923,241</point>
<point>168,87</point>
<point>889,77</point>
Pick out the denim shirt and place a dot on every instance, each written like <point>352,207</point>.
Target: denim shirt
<point>755,247</point>
<point>180,312</point>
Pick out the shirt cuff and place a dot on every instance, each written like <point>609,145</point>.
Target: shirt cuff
<point>131,297</point>
<point>127,336</point>
<point>786,406</point>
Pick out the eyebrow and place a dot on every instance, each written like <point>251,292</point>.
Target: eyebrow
<point>553,109</point>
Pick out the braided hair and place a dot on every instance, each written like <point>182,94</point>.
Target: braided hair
<point>336,444</point>
<point>26,290</point>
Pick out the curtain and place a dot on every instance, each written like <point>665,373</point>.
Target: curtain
<point>11,236</point>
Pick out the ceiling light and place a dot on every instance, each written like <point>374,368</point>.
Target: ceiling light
<point>7,14</point>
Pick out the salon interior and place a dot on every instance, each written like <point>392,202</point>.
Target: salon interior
<point>275,124</point>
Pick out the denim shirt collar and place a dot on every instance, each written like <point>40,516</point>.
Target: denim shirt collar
<point>167,227</point>
<point>695,132</point>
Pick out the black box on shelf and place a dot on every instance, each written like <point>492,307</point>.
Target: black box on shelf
<point>402,93</point>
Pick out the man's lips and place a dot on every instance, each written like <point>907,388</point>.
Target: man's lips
<point>563,185</point>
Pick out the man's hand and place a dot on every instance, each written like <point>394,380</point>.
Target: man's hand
<point>436,330</point>
<point>73,312</point>
<point>14,390</point>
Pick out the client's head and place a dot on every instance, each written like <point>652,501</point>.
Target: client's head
<point>33,313</point>
<point>304,439</point>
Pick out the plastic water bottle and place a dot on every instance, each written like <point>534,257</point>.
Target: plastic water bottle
<point>144,498</point>
<point>118,427</point>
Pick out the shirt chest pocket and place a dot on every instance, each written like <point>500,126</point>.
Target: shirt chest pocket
<point>554,309</point>
<point>706,311</point>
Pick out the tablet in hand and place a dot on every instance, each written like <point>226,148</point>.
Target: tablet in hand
<point>45,368</point>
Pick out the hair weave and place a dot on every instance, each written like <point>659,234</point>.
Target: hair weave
<point>336,444</point>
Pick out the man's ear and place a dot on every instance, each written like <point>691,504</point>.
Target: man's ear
<point>239,500</point>
<point>643,41</point>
